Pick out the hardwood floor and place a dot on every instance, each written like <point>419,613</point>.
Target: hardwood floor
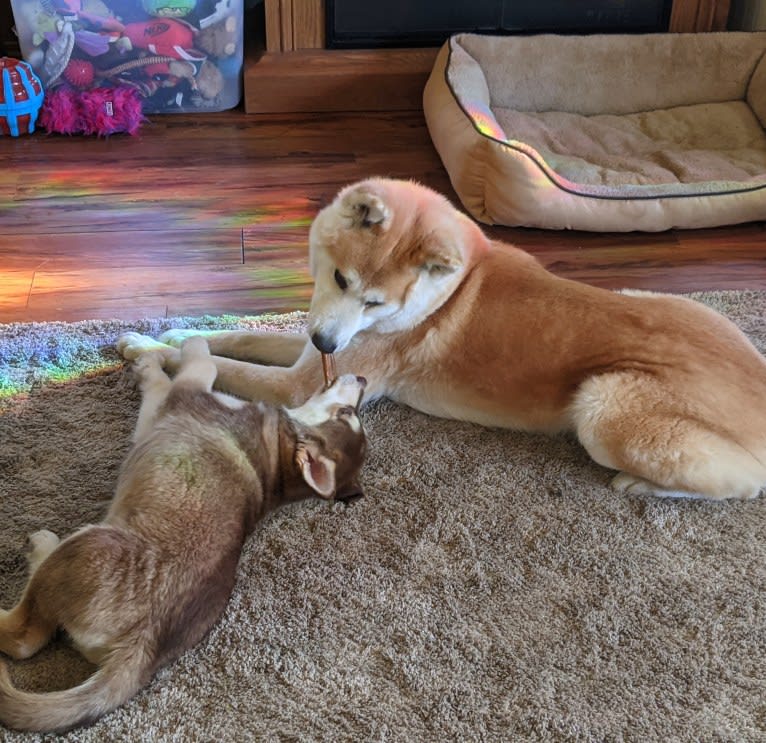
<point>209,214</point>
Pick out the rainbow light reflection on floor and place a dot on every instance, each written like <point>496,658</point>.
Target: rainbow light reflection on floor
<point>152,199</point>
<point>11,386</point>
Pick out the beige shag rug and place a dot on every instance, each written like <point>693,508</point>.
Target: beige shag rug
<point>490,587</point>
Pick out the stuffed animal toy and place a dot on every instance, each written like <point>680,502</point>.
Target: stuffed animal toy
<point>101,111</point>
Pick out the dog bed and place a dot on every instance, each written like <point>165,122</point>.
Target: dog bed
<point>603,132</point>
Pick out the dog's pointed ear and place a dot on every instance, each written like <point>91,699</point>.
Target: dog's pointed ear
<point>365,209</point>
<point>439,265</point>
<point>318,471</point>
<point>440,259</point>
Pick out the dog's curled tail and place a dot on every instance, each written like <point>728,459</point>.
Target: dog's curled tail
<point>119,678</point>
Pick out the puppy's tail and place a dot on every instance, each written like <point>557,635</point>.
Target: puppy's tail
<point>120,677</point>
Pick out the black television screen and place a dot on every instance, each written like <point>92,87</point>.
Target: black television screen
<point>353,24</point>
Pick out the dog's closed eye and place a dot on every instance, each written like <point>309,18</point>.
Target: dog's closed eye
<point>340,280</point>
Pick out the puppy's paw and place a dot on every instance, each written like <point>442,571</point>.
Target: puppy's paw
<point>43,542</point>
<point>131,345</point>
<point>148,365</point>
<point>176,336</point>
<point>195,347</point>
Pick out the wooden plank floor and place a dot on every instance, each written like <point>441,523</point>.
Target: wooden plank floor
<point>209,214</point>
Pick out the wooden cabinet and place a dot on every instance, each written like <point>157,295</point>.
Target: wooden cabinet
<point>699,15</point>
<point>296,73</point>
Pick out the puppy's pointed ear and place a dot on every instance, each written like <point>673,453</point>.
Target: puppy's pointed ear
<point>349,493</point>
<point>365,209</point>
<point>318,471</point>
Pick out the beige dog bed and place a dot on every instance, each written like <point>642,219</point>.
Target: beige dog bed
<point>603,132</point>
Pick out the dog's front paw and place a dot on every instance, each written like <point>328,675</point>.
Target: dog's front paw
<point>176,336</point>
<point>627,483</point>
<point>131,345</point>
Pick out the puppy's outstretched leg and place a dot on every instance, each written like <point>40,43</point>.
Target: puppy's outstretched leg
<point>197,369</point>
<point>23,631</point>
<point>660,444</point>
<point>155,385</point>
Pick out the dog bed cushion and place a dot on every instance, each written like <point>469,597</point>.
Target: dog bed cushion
<point>603,132</point>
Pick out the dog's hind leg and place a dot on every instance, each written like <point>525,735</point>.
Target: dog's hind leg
<point>660,443</point>
<point>23,631</point>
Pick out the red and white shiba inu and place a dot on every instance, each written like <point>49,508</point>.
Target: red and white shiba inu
<point>412,294</point>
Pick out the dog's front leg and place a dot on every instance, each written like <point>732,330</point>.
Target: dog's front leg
<point>271,349</point>
<point>279,385</point>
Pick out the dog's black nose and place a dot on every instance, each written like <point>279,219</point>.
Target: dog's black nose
<point>324,343</point>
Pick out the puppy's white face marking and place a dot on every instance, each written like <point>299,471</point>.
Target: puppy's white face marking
<point>343,396</point>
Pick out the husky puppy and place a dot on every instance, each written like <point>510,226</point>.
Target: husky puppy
<point>410,293</point>
<point>146,584</point>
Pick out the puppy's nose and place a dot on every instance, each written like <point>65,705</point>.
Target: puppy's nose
<point>351,379</point>
<point>323,343</point>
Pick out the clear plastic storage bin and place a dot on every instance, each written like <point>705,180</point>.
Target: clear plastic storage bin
<point>181,55</point>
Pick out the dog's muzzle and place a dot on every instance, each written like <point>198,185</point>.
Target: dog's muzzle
<point>324,343</point>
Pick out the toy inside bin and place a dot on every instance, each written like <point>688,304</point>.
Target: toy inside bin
<point>181,55</point>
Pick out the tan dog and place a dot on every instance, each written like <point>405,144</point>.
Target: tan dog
<point>137,590</point>
<point>410,293</point>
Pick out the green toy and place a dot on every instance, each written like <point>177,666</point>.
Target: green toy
<point>169,8</point>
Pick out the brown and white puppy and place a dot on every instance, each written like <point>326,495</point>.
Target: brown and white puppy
<point>413,295</point>
<point>147,583</point>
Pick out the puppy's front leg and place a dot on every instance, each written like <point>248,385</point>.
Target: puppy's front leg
<point>197,369</point>
<point>155,385</point>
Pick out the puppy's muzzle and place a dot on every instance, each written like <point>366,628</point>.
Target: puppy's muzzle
<point>355,386</point>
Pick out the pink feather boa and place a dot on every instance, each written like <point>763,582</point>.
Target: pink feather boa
<point>101,111</point>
